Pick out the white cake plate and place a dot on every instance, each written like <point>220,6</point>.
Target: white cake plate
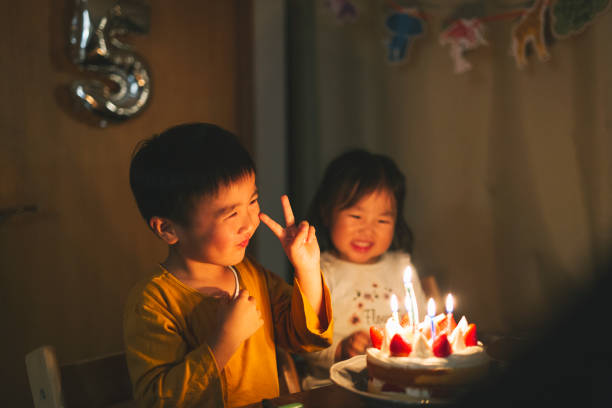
<point>352,375</point>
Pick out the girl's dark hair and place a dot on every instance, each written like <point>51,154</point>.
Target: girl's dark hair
<point>173,169</point>
<point>348,178</point>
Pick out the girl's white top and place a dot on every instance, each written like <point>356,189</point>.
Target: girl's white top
<point>360,297</point>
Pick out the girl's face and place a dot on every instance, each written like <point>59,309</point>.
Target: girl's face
<point>363,232</point>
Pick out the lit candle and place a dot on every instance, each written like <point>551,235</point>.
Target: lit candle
<point>431,312</point>
<point>408,306</point>
<point>392,326</point>
<point>449,312</point>
<point>410,299</point>
<point>394,307</point>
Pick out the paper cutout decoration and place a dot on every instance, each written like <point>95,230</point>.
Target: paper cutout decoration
<point>463,35</point>
<point>404,26</point>
<point>570,17</point>
<point>530,29</point>
<point>344,10</point>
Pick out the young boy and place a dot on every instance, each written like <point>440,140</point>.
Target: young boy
<point>202,330</point>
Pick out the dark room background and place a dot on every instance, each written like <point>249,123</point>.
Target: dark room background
<point>66,268</point>
<point>508,170</point>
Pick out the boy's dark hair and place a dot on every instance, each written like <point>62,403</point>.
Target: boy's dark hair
<point>173,169</point>
<point>348,178</point>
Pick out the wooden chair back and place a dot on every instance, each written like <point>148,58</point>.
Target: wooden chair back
<point>288,377</point>
<point>99,382</point>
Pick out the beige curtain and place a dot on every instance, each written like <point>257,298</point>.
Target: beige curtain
<point>508,171</point>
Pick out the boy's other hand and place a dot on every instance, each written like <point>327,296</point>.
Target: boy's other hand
<point>353,345</point>
<point>239,319</point>
<point>298,241</point>
<point>242,317</point>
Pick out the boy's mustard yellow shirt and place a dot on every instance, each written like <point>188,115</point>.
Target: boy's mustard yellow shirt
<point>167,326</point>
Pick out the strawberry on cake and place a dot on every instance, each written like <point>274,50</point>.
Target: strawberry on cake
<point>407,362</point>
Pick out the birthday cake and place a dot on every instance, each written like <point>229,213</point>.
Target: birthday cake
<point>406,360</point>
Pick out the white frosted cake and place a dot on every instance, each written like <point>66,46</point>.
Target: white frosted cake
<point>405,361</point>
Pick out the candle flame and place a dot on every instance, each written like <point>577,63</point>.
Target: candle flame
<point>394,305</point>
<point>407,275</point>
<point>431,307</point>
<point>449,303</point>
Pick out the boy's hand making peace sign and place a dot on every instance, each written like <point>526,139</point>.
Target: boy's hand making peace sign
<point>302,249</point>
<point>298,241</point>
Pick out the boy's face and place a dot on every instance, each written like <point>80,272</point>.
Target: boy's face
<point>221,225</point>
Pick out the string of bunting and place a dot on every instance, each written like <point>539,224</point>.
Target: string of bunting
<point>464,30</point>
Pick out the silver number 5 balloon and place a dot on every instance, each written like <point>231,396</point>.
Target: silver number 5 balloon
<point>125,85</point>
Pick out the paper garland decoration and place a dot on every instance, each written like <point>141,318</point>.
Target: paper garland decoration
<point>466,31</point>
<point>530,29</point>
<point>573,16</point>
<point>463,35</point>
<point>344,10</point>
<point>404,27</point>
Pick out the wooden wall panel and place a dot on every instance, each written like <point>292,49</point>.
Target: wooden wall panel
<point>66,269</point>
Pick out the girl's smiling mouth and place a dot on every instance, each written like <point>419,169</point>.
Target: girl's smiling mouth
<point>361,246</point>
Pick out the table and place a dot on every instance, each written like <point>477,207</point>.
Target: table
<point>328,396</point>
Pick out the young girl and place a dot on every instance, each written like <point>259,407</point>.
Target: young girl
<point>365,244</point>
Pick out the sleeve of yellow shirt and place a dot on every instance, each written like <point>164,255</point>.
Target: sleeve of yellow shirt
<point>163,373</point>
<point>296,325</point>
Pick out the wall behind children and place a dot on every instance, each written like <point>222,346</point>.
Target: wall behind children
<point>66,268</point>
<point>508,170</point>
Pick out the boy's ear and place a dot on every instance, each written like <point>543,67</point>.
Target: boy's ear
<point>164,228</point>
